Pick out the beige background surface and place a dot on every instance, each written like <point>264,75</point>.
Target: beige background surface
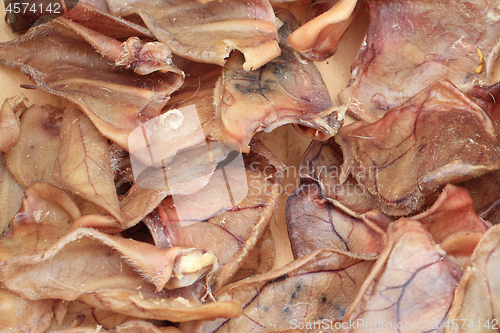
<point>284,142</point>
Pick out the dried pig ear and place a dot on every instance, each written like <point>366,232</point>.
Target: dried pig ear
<point>286,89</point>
<point>413,283</point>
<point>437,137</point>
<point>479,283</point>
<point>314,223</point>
<point>317,39</point>
<point>237,232</point>
<point>116,100</point>
<point>21,315</point>
<point>32,158</point>
<point>207,32</point>
<point>452,213</point>
<point>320,285</point>
<point>97,19</point>
<point>10,129</point>
<point>410,44</point>
<point>11,196</point>
<point>116,274</point>
<point>46,214</point>
<point>74,314</point>
<point>82,164</point>
<point>322,162</point>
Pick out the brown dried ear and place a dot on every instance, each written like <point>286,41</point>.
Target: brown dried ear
<point>411,44</point>
<point>413,281</point>
<point>22,315</point>
<point>116,100</point>
<point>452,213</point>
<point>32,158</point>
<point>314,223</point>
<point>286,89</point>
<point>437,137</point>
<point>47,213</point>
<point>82,164</point>
<point>119,275</point>
<point>237,233</point>
<point>476,299</point>
<point>317,286</point>
<point>10,129</point>
<point>208,32</point>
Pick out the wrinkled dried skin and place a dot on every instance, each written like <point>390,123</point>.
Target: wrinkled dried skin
<point>11,196</point>
<point>410,44</point>
<point>46,214</point>
<point>413,281</point>
<point>437,137</point>
<point>20,315</point>
<point>285,90</point>
<point>10,128</point>
<point>76,314</point>
<point>317,39</point>
<point>322,162</point>
<point>116,274</point>
<point>485,191</point>
<point>486,97</point>
<point>82,164</point>
<point>450,214</point>
<point>230,227</point>
<point>320,285</point>
<point>477,297</point>
<point>132,326</point>
<point>190,170</point>
<point>208,32</point>
<point>314,223</point>
<point>92,17</point>
<point>115,99</point>
<point>33,156</point>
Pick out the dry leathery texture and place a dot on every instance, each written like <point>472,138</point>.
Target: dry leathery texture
<point>188,170</point>
<point>266,158</point>
<point>485,193</point>
<point>229,227</point>
<point>208,32</point>
<point>451,213</point>
<point>32,158</point>
<point>314,223</point>
<point>316,287</point>
<point>132,326</point>
<point>410,44</point>
<point>75,314</point>
<point>117,100</point>
<point>141,57</point>
<point>412,283</point>
<point>322,162</point>
<point>116,274</point>
<point>477,297</point>
<point>82,164</point>
<point>97,19</point>
<point>486,97</point>
<point>11,196</point>
<point>10,128</point>
<point>287,89</point>
<point>437,137</point>
<point>46,214</point>
<point>318,39</point>
<point>20,315</point>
